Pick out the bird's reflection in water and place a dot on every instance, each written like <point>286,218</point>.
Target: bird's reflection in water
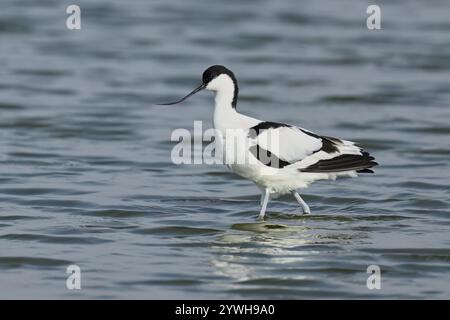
<point>262,242</point>
<point>259,251</point>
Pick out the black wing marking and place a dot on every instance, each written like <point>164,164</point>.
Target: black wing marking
<point>343,162</point>
<point>365,171</point>
<point>328,143</point>
<point>268,158</point>
<point>266,125</point>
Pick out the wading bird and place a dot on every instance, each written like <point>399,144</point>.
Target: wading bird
<point>279,158</point>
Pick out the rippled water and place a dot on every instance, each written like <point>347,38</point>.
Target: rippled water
<point>85,170</point>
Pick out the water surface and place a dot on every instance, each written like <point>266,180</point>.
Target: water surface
<point>85,170</point>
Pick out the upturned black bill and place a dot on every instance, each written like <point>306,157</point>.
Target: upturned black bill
<point>201,87</point>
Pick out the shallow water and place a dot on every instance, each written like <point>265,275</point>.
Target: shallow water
<point>85,170</point>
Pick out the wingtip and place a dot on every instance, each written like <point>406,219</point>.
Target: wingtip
<point>365,171</point>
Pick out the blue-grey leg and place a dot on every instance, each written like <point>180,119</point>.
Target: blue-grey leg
<point>264,200</point>
<point>305,207</point>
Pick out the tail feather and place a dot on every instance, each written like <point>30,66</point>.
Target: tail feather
<point>344,162</point>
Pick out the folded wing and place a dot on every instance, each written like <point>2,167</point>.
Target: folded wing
<point>284,146</point>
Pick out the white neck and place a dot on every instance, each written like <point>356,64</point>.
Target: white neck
<point>225,116</point>
<point>224,113</point>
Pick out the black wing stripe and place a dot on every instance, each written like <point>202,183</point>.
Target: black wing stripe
<point>267,158</point>
<point>344,162</point>
<point>262,126</point>
<point>328,143</point>
<point>348,159</point>
<point>365,171</point>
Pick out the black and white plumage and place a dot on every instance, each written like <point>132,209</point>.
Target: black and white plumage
<point>345,155</point>
<point>279,158</point>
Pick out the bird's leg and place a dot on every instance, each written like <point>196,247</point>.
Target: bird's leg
<point>305,207</point>
<point>264,201</point>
